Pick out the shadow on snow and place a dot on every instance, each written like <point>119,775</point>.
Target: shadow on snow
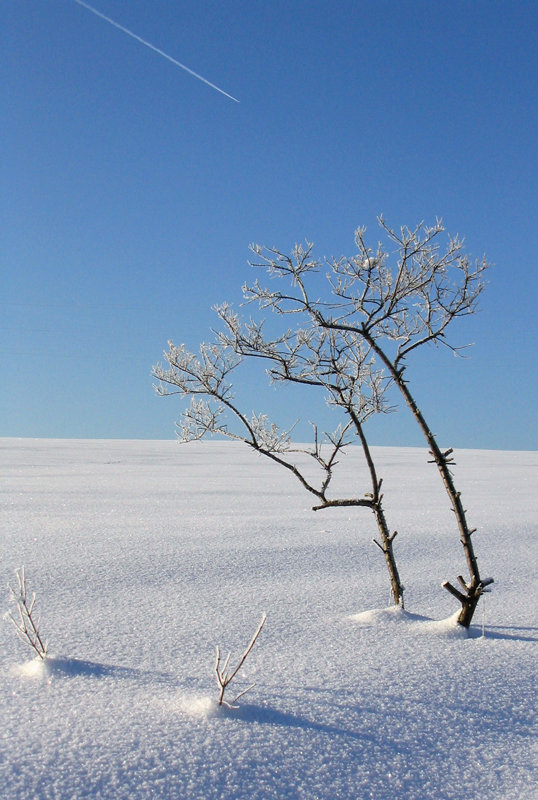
<point>266,715</point>
<point>75,667</point>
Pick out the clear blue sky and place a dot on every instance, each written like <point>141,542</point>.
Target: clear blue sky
<point>131,191</point>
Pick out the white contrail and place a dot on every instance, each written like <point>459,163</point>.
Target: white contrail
<point>156,49</point>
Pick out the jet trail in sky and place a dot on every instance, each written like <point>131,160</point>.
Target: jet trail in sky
<point>156,49</point>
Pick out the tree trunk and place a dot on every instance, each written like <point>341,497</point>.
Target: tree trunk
<point>386,538</point>
<point>386,547</point>
<point>475,587</point>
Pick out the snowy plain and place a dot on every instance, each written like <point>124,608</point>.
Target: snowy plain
<point>146,555</point>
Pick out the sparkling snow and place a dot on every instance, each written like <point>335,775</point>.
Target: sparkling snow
<point>146,555</point>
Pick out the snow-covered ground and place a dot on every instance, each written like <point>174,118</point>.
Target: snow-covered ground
<point>146,555</point>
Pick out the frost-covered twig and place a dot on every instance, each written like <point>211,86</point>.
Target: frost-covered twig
<point>26,625</point>
<point>224,678</point>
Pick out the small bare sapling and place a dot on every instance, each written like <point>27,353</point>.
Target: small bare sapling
<point>24,619</point>
<point>224,677</point>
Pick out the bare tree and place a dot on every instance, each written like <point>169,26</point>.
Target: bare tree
<point>313,357</point>
<point>386,308</point>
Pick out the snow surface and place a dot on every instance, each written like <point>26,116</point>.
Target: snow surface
<point>146,555</point>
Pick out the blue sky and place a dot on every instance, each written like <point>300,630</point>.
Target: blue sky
<point>131,191</point>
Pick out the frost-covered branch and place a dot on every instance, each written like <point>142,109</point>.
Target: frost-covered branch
<point>414,301</point>
<point>313,356</point>
<point>212,402</point>
<point>225,677</point>
<point>24,620</point>
<point>408,290</point>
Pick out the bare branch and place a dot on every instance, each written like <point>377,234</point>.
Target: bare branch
<point>224,678</point>
<point>25,623</point>
<point>206,381</point>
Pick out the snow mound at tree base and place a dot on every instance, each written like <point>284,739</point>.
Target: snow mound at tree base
<point>405,621</point>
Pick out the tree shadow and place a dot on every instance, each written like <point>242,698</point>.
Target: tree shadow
<point>501,632</point>
<point>60,666</point>
<point>266,715</point>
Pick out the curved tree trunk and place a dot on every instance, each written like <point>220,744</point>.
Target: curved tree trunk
<point>386,537</point>
<point>472,590</point>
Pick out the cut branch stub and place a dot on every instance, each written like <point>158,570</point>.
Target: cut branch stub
<point>470,599</point>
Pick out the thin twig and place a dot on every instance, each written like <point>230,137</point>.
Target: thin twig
<point>26,625</point>
<point>224,679</point>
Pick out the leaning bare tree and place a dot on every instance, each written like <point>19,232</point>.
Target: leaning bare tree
<point>313,357</point>
<point>387,303</point>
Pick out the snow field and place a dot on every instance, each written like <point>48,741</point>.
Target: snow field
<point>146,555</point>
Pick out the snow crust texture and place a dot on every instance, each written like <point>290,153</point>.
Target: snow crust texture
<point>146,555</point>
